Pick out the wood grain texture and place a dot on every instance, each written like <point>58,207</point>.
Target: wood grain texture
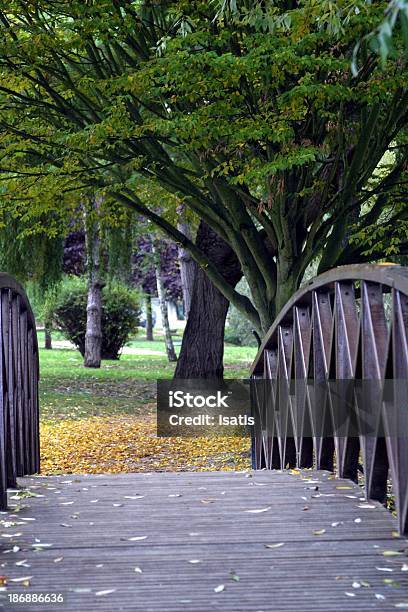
<point>204,516</point>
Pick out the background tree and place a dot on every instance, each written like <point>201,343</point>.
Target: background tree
<point>161,292</point>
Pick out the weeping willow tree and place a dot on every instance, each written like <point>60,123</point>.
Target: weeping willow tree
<point>34,258</point>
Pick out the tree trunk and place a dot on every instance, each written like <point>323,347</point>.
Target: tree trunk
<point>202,349</point>
<point>48,337</point>
<point>93,336</point>
<point>188,270</point>
<point>149,317</point>
<point>171,353</point>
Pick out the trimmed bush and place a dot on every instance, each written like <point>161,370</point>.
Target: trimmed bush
<point>238,330</point>
<point>120,315</point>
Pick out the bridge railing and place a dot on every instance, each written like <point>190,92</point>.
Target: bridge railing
<point>19,374</point>
<point>350,324</point>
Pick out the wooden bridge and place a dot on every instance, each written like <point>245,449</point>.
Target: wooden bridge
<point>295,539</point>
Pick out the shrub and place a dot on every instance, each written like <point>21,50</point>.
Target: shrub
<point>120,313</point>
<point>239,330</point>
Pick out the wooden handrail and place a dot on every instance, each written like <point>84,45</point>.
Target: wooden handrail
<point>349,324</point>
<point>19,375</point>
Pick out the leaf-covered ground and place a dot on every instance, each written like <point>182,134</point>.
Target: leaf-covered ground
<point>129,444</point>
<point>104,420</point>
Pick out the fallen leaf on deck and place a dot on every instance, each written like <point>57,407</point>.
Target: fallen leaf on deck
<point>258,511</point>
<point>391,553</point>
<point>391,582</point>
<point>319,532</point>
<point>23,579</point>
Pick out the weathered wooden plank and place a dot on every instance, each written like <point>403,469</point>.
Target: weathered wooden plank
<point>206,520</point>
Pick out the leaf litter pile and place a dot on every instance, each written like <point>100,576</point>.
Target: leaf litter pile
<point>91,425</point>
<point>122,443</point>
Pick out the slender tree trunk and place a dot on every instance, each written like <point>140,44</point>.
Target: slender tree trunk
<point>149,317</point>
<point>93,336</point>
<point>202,349</point>
<point>47,334</point>
<point>171,353</point>
<point>188,270</point>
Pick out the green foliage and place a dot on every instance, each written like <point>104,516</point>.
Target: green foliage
<point>239,331</point>
<point>381,40</point>
<point>29,255</point>
<point>120,313</point>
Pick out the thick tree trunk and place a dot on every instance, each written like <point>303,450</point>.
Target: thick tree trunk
<point>202,349</point>
<point>188,270</point>
<point>149,317</point>
<point>93,336</point>
<point>48,337</point>
<point>171,353</point>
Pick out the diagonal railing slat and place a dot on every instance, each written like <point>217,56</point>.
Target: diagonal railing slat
<point>349,324</point>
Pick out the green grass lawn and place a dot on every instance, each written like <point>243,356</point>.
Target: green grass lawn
<point>125,386</point>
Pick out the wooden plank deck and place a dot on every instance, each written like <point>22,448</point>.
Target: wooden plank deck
<point>90,522</point>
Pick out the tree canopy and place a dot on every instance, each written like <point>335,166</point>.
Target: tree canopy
<point>249,113</point>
